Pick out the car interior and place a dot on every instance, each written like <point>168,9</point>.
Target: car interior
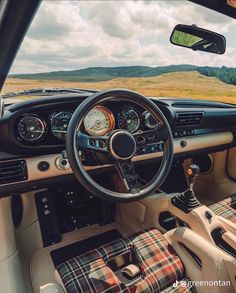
<point>113,191</point>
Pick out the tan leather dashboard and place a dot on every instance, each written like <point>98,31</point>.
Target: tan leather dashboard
<point>192,144</point>
<point>181,145</point>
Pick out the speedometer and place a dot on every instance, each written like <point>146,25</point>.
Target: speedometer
<point>129,120</point>
<point>99,121</point>
<point>59,124</point>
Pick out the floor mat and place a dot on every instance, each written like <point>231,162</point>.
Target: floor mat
<point>65,253</point>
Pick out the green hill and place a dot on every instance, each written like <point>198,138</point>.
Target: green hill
<point>105,73</point>
<point>96,74</point>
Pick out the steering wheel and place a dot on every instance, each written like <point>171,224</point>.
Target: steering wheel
<point>119,146</point>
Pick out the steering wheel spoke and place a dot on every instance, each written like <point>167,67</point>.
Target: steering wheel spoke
<point>92,143</point>
<point>127,174</point>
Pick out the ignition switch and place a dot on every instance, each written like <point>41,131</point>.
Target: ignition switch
<point>62,162</point>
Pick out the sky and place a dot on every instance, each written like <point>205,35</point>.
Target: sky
<point>70,35</point>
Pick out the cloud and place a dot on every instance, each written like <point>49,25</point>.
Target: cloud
<point>67,35</point>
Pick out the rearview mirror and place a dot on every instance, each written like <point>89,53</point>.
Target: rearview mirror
<point>198,39</point>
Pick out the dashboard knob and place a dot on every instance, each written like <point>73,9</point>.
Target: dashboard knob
<point>43,166</point>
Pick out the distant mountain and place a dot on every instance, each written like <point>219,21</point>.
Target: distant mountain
<point>95,74</point>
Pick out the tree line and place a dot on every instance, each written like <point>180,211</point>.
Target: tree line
<point>225,74</point>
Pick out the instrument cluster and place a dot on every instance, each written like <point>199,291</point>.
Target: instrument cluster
<point>99,121</point>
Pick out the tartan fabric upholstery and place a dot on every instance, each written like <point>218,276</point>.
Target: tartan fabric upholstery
<point>159,265</point>
<point>226,208</point>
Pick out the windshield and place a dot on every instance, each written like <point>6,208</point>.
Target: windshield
<point>107,44</point>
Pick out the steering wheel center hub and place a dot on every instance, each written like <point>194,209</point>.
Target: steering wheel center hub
<point>122,145</point>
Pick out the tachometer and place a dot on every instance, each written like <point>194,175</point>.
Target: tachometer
<point>129,120</point>
<point>31,128</point>
<point>59,124</point>
<point>99,121</point>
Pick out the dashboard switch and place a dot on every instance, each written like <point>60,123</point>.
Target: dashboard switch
<point>43,166</point>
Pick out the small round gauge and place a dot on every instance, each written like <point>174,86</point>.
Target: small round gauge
<point>149,120</point>
<point>59,124</point>
<point>99,121</point>
<point>129,120</point>
<point>31,128</point>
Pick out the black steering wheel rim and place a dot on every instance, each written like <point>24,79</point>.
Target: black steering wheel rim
<point>72,149</point>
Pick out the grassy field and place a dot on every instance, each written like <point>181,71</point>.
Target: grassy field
<point>179,84</point>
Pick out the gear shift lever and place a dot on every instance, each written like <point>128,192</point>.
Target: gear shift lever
<point>187,200</point>
<point>193,172</point>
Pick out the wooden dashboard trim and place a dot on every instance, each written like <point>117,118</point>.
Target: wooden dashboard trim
<point>191,144</point>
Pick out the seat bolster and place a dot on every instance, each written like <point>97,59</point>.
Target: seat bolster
<point>212,259</point>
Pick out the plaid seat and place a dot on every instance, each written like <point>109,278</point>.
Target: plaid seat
<point>226,208</point>
<point>159,265</point>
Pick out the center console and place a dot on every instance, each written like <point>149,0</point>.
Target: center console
<point>168,211</point>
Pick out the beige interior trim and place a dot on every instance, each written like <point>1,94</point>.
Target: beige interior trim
<point>11,278</point>
<point>59,280</point>
<point>154,205</point>
<point>212,259</point>
<point>230,238</point>
<point>194,143</point>
<point>231,163</point>
<point>229,226</point>
<point>215,185</point>
<point>51,288</point>
<point>7,236</point>
<point>191,144</point>
<point>231,267</point>
<point>42,269</point>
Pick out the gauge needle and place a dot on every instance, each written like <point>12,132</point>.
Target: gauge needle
<point>36,131</point>
<point>97,123</point>
<point>59,131</point>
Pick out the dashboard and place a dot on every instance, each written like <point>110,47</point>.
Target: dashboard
<point>33,134</point>
<point>43,127</point>
<point>39,126</point>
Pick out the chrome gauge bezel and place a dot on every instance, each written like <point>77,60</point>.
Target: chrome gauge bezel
<point>146,122</point>
<point>51,122</point>
<point>138,120</point>
<point>40,120</point>
<point>109,115</point>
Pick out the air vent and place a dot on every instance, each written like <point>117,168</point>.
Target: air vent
<point>188,118</point>
<point>13,171</point>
